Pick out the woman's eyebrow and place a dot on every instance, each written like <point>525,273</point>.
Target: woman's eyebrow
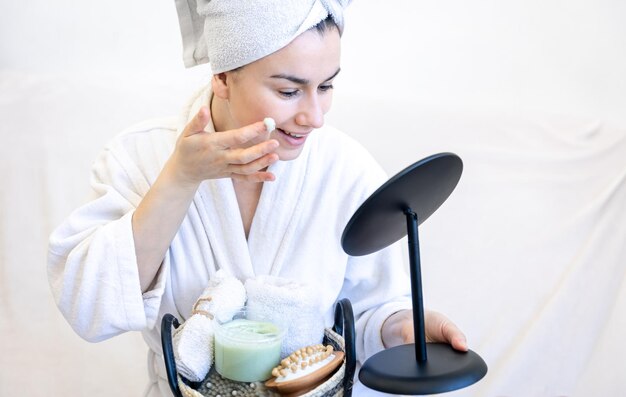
<point>299,80</point>
<point>334,74</point>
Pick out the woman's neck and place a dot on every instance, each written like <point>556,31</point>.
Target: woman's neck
<point>220,114</point>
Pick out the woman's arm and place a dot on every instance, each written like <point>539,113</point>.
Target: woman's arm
<point>197,156</point>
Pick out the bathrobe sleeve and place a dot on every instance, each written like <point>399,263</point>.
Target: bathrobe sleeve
<point>378,284</point>
<point>92,267</point>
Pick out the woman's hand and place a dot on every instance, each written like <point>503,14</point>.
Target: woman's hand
<point>199,155</point>
<point>398,330</point>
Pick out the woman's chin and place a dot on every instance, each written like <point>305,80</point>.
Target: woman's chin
<point>288,155</point>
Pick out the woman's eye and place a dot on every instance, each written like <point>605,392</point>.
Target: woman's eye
<point>326,87</point>
<point>288,94</point>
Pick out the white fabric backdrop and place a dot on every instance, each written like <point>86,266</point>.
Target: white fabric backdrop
<point>527,255</point>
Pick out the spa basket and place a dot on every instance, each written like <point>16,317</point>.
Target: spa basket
<point>341,336</point>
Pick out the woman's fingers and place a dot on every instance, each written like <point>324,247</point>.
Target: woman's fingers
<point>262,176</point>
<point>223,154</point>
<point>198,123</point>
<point>226,139</point>
<point>254,166</point>
<point>246,164</point>
<point>240,136</point>
<point>252,153</point>
<point>440,329</point>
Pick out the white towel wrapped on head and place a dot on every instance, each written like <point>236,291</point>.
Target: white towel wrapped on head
<point>193,340</point>
<point>234,33</point>
<point>290,304</point>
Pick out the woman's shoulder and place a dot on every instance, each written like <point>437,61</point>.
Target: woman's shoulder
<point>153,130</point>
<point>149,136</point>
<point>141,148</point>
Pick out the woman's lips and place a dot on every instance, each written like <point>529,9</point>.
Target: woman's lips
<point>294,139</point>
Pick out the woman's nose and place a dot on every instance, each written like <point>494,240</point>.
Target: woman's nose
<point>311,114</point>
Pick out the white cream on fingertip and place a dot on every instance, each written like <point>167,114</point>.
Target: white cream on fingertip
<point>270,124</point>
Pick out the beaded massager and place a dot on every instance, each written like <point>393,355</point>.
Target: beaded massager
<point>304,369</point>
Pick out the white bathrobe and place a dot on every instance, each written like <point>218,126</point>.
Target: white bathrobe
<point>295,234</point>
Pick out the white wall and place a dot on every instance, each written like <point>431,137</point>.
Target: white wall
<point>566,56</point>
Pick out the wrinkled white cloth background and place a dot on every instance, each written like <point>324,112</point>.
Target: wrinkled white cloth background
<point>527,255</point>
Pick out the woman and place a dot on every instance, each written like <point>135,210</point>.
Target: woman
<point>175,201</point>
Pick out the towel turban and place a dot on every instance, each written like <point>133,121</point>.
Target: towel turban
<point>233,33</point>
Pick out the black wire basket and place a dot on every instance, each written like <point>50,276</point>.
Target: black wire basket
<point>341,337</point>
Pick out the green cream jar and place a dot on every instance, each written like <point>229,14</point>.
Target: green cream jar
<point>247,348</point>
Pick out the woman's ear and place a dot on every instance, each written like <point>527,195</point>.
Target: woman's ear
<point>219,84</point>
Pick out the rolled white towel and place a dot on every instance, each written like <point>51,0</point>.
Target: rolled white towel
<point>292,305</point>
<point>193,347</point>
<point>193,340</point>
<point>224,293</point>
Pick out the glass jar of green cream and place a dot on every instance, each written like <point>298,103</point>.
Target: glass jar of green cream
<point>247,347</point>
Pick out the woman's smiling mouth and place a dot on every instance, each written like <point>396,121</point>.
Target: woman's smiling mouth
<point>293,134</point>
<point>292,138</point>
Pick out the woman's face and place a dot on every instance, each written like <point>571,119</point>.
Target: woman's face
<point>293,86</point>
